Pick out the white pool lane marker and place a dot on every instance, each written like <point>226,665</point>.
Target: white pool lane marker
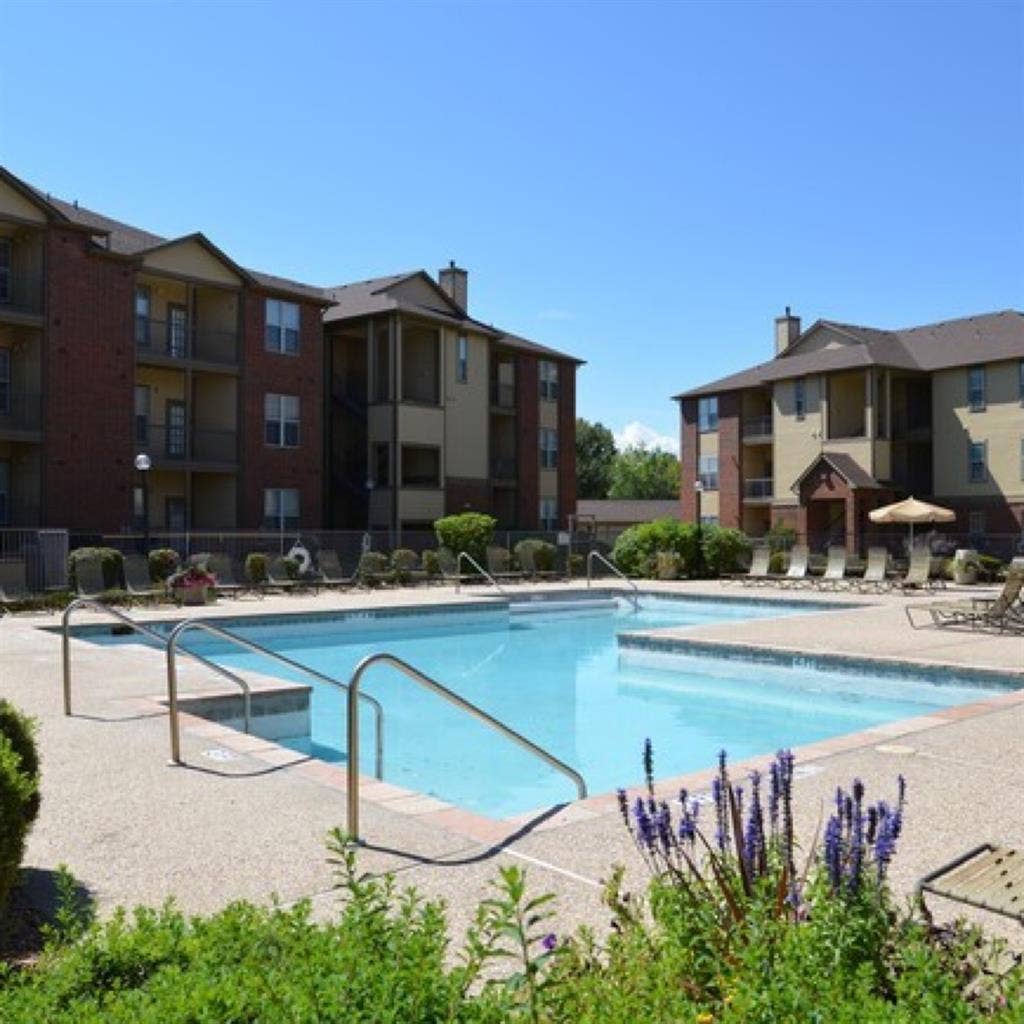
<point>552,867</point>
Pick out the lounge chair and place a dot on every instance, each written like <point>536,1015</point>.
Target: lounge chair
<point>1003,612</point>
<point>137,580</point>
<point>796,574</point>
<point>498,562</point>
<point>919,572</point>
<point>757,574</point>
<point>990,877</point>
<point>876,574</point>
<point>331,573</point>
<point>13,584</point>
<point>278,576</point>
<point>835,570</point>
<point>222,566</point>
<point>89,581</point>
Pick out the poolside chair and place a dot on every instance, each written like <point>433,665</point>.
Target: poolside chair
<point>222,566</point>
<point>13,584</point>
<point>835,570</point>
<point>796,574</point>
<point>89,581</point>
<point>278,576</point>
<point>331,573</point>
<point>876,574</point>
<point>137,580</point>
<point>919,572</point>
<point>989,877</point>
<point>1003,612</point>
<point>498,565</point>
<point>758,572</point>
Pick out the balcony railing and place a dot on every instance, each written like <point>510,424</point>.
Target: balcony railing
<point>179,444</point>
<point>21,292</point>
<point>19,411</point>
<point>758,487</point>
<point>175,340</point>
<point>503,467</point>
<point>503,395</point>
<point>757,426</point>
<point>16,513</point>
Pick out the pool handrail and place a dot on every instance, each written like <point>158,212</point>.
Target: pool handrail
<point>453,698</point>
<point>594,553</point>
<point>137,627</point>
<point>240,641</point>
<point>479,568</point>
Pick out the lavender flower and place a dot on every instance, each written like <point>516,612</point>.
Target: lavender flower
<point>549,941</point>
<point>649,764</point>
<point>623,806</point>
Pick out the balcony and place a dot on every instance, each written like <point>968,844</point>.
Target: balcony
<point>503,468</point>
<point>179,341</point>
<point>21,293</point>
<point>503,396</point>
<point>757,427</point>
<point>759,488</point>
<point>169,445</point>
<point>15,513</point>
<point>20,413</point>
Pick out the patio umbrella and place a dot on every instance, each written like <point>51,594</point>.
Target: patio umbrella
<point>911,511</point>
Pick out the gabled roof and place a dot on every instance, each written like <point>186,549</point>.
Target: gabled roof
<point>985,338</point>
<point>623,510</point>
<point>846,466</point>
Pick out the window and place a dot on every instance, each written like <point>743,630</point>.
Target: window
<point>5,381</point>
<point>281,508</point>
<point>177,331</point>
<point>462,359</point>
<point>5,270</point>
<point>421,466</point>
<point>976,388</point>
<point>281,420</point>
<point>382,464</point>
<point>282,327</point>
<point>708,472</point>
<point>5,492</point>
<point>142,311</point>
<point>707,414</point>
<point>977,470</point>
<point>175,441</point>
<point>800,398</point>
<point>549,381</point>
<point>976,524</point>
<point>548,448</point>
<point>139,507</point>
<point>142,398</point>
<point>175,514</point>
<point>709,520</point>
<point>548,514</point>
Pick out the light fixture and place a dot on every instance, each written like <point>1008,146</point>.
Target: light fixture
<point>143,462</point>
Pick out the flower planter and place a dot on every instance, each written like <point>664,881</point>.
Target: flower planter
<point>193,595</point>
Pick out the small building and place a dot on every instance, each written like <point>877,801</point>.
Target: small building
<point>608,514</point>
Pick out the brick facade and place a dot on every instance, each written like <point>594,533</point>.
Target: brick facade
<point>88,378</point>
<point>730,486</point>
<point>528,451</point>
<point>688,459</point>
<point>264,466</point>
<point>566,443</point>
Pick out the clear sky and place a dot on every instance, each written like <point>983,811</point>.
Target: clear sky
<point>644,185</point>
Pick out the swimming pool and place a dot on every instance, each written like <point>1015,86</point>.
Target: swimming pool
<point>563,681</point>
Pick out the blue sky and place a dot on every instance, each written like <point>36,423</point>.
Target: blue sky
<point>644,185</point>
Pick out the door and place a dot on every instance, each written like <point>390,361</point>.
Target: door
<point>177,331</point>
<point>175,429</point>
<point>174,515</point>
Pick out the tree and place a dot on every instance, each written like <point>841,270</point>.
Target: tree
<point>595,453</point>
<point>643,472</point>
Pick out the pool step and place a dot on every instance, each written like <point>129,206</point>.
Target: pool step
<point>543,606</point>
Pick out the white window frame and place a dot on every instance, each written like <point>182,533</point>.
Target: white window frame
<point>281,329</point>
<point>277,503</point>
<point>978,405</point>
<point>5,381</point>
<point>462,359</point>
<point>707,466</point>
<point>548,440</point>
<point>548,513</point>
<point>983,476</point>
<point>281,419</point>
<point>548,373</point>
<point>707,414</point>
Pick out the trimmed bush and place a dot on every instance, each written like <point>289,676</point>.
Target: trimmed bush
<point>19,792</point>
<point>163,562</point>
<point>500,558</point>
<point>725,550</point>
<point>544,554</point>
<point>577,565</point>
<point>374,568</point>
<point>777,563</point>
<point>256,567</point>
<point>780,537</point>
<point>636,549</point>
<point>471,532</point>
<point>405,562</point>
<point>431,563</point>
<point>111,562</point>
<point>290,566</point>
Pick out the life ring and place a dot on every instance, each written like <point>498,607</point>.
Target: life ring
<point>300,553</point>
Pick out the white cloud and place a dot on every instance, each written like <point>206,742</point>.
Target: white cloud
<point>636,433</point>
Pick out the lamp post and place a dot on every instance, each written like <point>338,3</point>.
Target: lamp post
<point>698,489</point>
<point>143,463</point>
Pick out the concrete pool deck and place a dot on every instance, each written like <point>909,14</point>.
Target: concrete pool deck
<point>247,820</point>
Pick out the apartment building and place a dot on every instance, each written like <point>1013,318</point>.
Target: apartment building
<point>116,343</point>
<point>434,412</point>
<point>846,418</point>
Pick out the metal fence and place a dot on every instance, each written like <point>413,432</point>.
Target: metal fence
<point>44,552</point>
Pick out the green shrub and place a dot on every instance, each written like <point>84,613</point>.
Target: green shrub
<point>780,537</point>
<point>163,562</point>
<point>668,565</point>
<point>725,550</point>
<point>405,562</point>
<point>111,563</point>
<point>498,559</point>
<point>374,568</point>
<point>19,792</point>
<point>636,549</point>
<point>291,567</point>
<point>990,568</point>
<point>431,563</point>
<point>471,532</point>
<point>544,554</point>
<point>51,601</point>
<point>577,564</point>
<point>256,567</point>
<point>777,563</point>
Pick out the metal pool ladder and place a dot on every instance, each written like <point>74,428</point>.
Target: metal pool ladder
<point>618,572</point>
<point>453,698</point>
<point>479,568</point>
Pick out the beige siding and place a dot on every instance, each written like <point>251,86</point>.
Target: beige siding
<point>794,441</point>
<point>418,291</point>
<point>163,291</point>
<point>709,503</point>
<point>883,460</point>
<point>548,414</point>
<point>190,259</point>
<point>214,501</point>
<point>164,386</point>
<point>466,409</point>
<point>707,444</point>
<point>13,204</point>
<point>822,339</point>
<point>420,505</point>
<point>163,485</point>
<point>216,403</point>
<point>548,485</point>
<point>421,425</point>
<point>954,427</point>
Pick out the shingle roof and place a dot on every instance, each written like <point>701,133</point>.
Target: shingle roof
<point>621,510</point>
<point>985,338</point>
<point>846,466</point>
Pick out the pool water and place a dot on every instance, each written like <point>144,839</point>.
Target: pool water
<point>561,680</point>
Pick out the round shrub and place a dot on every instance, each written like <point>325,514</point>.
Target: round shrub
<point>373,566</point>
<point>163,562</point>
<point>536,554</point>
<point>431,563</point>
<point>19,792</point>
<point>405,562</point>
<point>577,564</point>
<point>256,567</point>
<point>471,532</point>
<point>725,550</point>
<point>636,549</point>
<point>111,563</point>
<point>498,559</point>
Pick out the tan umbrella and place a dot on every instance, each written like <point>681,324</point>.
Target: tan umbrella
<point>911,511</point>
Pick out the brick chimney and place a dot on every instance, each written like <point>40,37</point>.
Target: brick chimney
<point>787,330</point>
<point>454,283</point>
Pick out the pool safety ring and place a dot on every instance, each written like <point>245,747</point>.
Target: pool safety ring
<point>300,553</point>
